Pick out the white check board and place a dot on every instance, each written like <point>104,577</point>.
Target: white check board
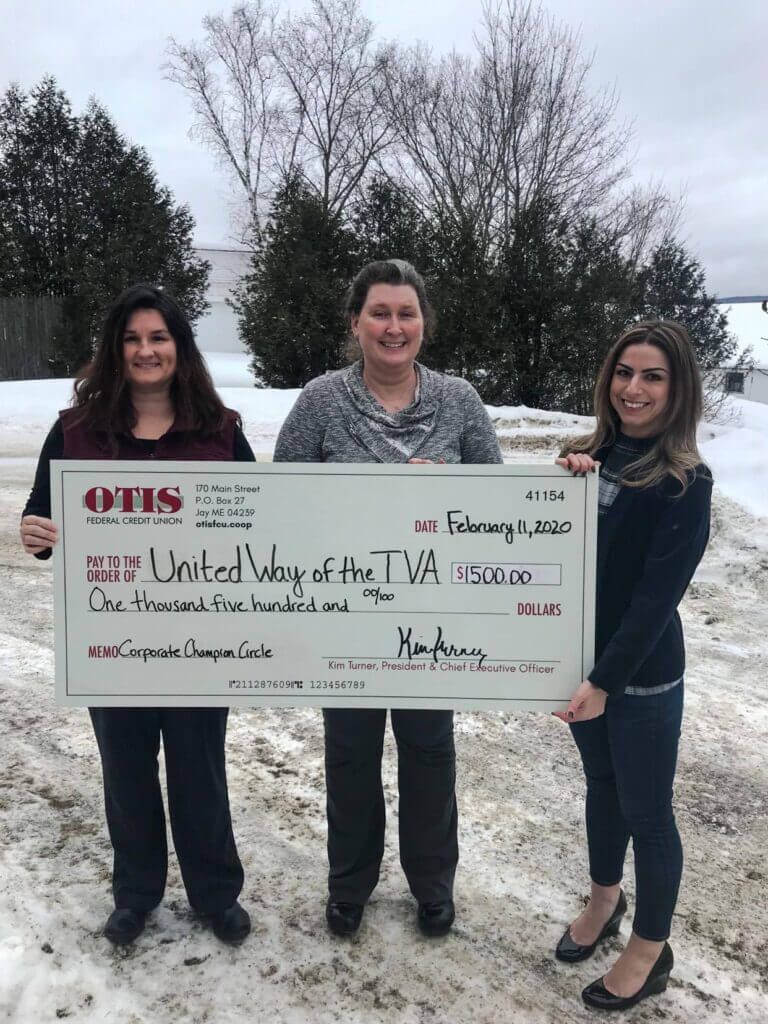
<point>202,584</point>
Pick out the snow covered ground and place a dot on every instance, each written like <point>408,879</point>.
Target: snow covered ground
<point>522,872</point>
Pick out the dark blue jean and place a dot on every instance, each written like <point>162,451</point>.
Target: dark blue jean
<point>629,756</point>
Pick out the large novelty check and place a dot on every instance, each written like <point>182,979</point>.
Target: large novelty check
<point>332,585</point>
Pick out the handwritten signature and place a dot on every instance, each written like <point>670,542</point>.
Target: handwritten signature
<point>441,649</point>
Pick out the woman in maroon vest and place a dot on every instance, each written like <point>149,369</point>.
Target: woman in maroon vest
<point>147,394</point>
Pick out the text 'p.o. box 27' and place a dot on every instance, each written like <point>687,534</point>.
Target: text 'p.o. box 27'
<point>201,584</point>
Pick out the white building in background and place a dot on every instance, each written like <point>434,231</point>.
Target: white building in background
<point>748,320</point>
<point>216,330</point>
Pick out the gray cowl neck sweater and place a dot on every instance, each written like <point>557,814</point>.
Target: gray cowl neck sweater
<point>405,429</point>
<point>336,419</point>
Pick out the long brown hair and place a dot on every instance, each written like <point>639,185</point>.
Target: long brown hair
<point>675,451</point>
<point>102,393</point>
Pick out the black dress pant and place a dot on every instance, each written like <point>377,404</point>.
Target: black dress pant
<point>198,804</point>
<point>429,851</point>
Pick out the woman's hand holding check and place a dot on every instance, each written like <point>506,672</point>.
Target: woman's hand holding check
<point>37,534</point>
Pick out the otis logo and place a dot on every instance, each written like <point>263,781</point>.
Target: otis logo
<point>164,500</point>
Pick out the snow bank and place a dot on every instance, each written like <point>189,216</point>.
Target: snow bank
<point>737,454</point>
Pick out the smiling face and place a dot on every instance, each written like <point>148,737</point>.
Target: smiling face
<point>640,389</point>
<point>389,327</point>
<point>149,351</point>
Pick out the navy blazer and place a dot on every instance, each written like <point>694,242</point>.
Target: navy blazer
<point>649,544</point>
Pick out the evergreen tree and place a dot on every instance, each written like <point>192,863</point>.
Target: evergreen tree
<point>290,306</point>
<point>464,292</point>
<point>388,224</point>
<point>563,293</point>
<point>596,296</point>
<point>672,288</point>
<point>82,216</point>
<point>530,269</point>
<point>37,147</point>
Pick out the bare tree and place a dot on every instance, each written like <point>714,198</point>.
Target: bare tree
<point>277,98</point>
<point>447,153</point>
<point>561,138</point>
<point>234,83</point>
<point>515,127</point>
<point>333,72</point>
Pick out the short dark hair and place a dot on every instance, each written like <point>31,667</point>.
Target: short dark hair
<point>389,272</point>
<point>102,392</point>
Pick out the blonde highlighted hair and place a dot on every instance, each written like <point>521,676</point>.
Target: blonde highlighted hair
<point>674,452</point>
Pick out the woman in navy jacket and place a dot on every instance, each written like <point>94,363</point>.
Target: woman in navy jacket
<point>653,528</point>
<point>147,394</point>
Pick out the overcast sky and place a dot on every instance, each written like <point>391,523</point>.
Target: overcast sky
<point>692,77</point>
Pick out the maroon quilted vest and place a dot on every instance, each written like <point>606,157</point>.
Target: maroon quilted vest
<point>188,445</point>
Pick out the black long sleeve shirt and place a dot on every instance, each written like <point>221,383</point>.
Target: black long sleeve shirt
<point>649,543</point>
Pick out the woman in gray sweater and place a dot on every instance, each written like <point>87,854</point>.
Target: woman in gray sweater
<point>388,408</point>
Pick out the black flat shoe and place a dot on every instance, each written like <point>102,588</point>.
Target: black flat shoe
<point>124,925</point>
<point>343,918</point>
<point>571,952</point>
<point>598,996</point>
<point>436,918</point>
<point>231,925</point>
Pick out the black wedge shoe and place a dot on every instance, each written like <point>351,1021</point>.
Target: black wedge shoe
<point>597,995</point>
<point>571,952</point>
